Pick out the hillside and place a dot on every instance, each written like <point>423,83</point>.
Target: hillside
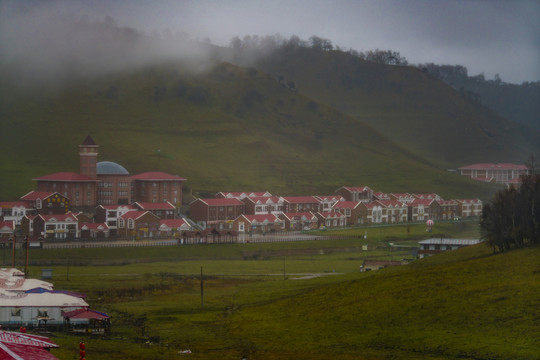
<point>519,103</point>
<point>222,128</point>
<point>417,111</point>
<point>462,304</point>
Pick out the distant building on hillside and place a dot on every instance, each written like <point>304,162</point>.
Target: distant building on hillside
<point>435,246</point>
<point>499,173</point>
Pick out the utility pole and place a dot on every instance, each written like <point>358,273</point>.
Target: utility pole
<point>202,289</point>
<point>26,262</point>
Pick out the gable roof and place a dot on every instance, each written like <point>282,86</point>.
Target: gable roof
<point>331,214</point>
<point>67,177</point>
<point>300,199</point>
<point>11,204</point>
<point>346,204</point>
<point>425,202</point>
<point>263,199</point>
<point>300,216</point>
<point>262,218</point>
<point>156,176</point>
<point>85,314</point>
<point>356,188</point>
<point>155,206</point>
<point>34,195</point>
<point>93,226</point>
<point>392,203</point>
<point>173,223</point>
<point>220,202</point>
<point>136,215</point>
<point>22,346</point>
<point>59,217</point>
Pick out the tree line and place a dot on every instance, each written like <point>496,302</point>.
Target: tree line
<point>512,219</point>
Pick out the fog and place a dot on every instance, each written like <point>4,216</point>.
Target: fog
<point>50,39</point>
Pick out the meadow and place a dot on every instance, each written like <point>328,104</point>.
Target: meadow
<point>304,300</point>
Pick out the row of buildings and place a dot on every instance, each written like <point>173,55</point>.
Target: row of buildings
<point>104,200</point>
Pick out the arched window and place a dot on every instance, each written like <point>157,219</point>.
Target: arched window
<point>121,223</point>
<point>131,224</point>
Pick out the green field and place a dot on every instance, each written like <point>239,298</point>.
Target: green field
<point>305,300</point>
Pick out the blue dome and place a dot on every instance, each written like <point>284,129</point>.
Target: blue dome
<point>110,168</point>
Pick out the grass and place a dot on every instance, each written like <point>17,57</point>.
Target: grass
<point>466,303</point>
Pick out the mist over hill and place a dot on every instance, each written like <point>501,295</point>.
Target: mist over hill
<point>286,118</point>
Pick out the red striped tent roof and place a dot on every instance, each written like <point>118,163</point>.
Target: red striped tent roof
<point>22,346</point>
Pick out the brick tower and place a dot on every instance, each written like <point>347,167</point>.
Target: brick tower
<point>88,153</point>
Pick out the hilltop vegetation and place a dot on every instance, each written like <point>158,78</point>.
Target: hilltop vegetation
<point>297,120</point>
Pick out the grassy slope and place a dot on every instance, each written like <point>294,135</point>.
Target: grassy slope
<point>467,303</point>
<point>464,304</point>
<point>417,111</point>
<point>226,129</point>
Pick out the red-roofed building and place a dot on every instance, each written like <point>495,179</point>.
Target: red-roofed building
<point>263,223</point>
<point>403,197</point>
<point>396,211</point>
<point>7,229</point>
<point>109,215</point>
<point>330,219</point>
<point>55,226</point>
<point>216,213</point>
<point>22,346</point>
<point>263,205</point>
<point>377,212</point>
<point>449,209</point>
<point>137,225</point>
<point>45,202</point>
<point>356,193</point>
<point>80,189</point>
<point>501,173</point>
<point>293,204</point>
<point>243,195</point>
<point>15,210</point>
<point>164,210</point>
<point>173,227</point>
<point>299,221</point>
<point>157,187</point>
<point>354,213</point>
<point>89,230</point>
<point>328,201</point>
<point>469,207</point>
<point>423,209</point>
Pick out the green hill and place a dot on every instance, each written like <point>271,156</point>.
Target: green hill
<point>226,128</point>
<point>410,107</point>
<point>462,304</point>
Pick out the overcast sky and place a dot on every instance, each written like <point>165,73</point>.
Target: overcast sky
<point>486,36</point>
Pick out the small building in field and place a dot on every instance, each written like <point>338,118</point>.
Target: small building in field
<point>369,265</point>
<point>437,245</point>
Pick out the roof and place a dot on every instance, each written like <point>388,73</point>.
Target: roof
<point>261,218</point>
<point>263,199</point>
<point>93,226</point>
<point>330,197</point>
<point>40,290</point>
<point>244,194</point>
<point>7,225</point>
<point>469,201</point>
<point>491,166</point>
<point>11,204</point>
<point>67,177</point>
<point>444,241</point>
<point>110,168</point>
<point>221,202</point>
<point>300,199</point>
<point>134,214</point>
<point>22,346</point>
<point>155,206</point>
<point>356,188</point>
<point>156,176</point>
<point>330,214</point>
<point>58,217</point>
<point>392,203</point>
<point>85,314</point>
<point>18,299</point>
<point>173,223</point>
<point>88,141</point>
<point>425,202</point>
<point>302,216</point>
<point>346,204</point>
<point>34,195</point>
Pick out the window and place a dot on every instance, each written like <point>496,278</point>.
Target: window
<point>121,223</point>
<point>131,224</point>
<point>16,311</point>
